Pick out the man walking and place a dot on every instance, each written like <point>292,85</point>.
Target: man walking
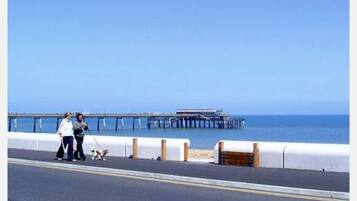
<point>79,127</point>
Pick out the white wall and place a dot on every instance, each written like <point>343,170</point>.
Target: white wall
<point>309,156</point>
<point>148,148</point>
<point>327,157</point>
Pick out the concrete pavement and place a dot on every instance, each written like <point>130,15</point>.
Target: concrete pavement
<point>331,181</point>
<point>28,183</point>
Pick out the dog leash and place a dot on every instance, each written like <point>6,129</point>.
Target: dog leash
<point>96,142</point>
<point>100,147</point>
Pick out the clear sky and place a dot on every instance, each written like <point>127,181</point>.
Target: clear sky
<point>247,57</point>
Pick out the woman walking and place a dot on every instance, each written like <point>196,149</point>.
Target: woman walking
<point>79,127</point>
<point>65,131</point>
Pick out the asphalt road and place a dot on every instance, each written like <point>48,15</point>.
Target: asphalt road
<point>27,183</point>
<point>333,181</point>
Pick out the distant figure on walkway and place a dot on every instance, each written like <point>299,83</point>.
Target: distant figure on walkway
<point>65,132</point>
<point>79,127</point>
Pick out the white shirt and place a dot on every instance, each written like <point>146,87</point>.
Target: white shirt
<point>65,128</point>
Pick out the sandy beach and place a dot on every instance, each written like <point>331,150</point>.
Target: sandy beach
<point>200,154</point>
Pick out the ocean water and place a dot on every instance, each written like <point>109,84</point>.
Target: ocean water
<point>279,128</point>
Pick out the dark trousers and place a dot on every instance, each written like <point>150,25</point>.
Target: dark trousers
<point>67,141</point>
<point>79,150</point>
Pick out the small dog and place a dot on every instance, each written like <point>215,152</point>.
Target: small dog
<point>99,154</point>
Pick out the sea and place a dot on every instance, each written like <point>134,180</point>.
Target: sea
<point>276,128</point>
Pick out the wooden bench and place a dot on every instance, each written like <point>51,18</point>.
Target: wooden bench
<point>250,159</point>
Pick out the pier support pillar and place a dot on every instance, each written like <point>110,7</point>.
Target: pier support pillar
<point>15,124</point>
<point>139,123</point>
<point>148,123</point>
<point>34,125</point>
<point>40,124</point>
<point>98,123</point>
<point>116,123</point>
<point>122,123</point>
<point>104,123</point>
<point>163,150</point>
<point>133,123</point>
<point>57,122</point>
<point>9,128</point>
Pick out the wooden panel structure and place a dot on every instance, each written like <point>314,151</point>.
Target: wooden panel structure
<point>250,159</point>
<point>135,148</point>
<point>237,158</point>
<point>256,155</point>
<point>220,152</point>
<point>185,153</point>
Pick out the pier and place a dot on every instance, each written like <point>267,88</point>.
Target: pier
<point>182,119</point>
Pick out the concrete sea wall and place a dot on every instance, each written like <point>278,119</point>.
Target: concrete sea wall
<point>308,156</point>
<point>148,148</point>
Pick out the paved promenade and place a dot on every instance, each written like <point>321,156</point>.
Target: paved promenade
<point>38,184</point>
<point>331,181</point>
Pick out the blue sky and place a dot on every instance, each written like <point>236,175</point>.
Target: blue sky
<point>247,57</point>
